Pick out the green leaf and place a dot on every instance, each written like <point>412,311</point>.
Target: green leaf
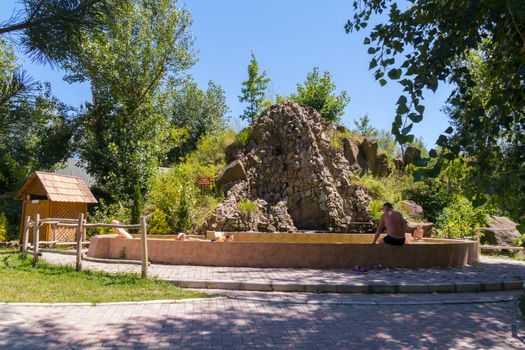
<point>402,109</point>
<point>373,64</point>
<point>442,140</point>
<point>402,100</point>
<point>420,162</point>
<point>398,121</point>
<point>371,50</point>
<point>382,82</point>
<point>432,153</point>
<point>395,73</point>
<point>407,129</point>
<point>366,41</point>
<point>416,118</point>
<point>449,130</point>
<point>420,109</point>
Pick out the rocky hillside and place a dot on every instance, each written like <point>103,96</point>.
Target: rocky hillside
<point>292,175</point>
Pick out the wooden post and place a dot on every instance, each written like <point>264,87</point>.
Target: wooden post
<point>80,229</point>
<point>54,233</point>
<point>25,236</point>
<point>144,246</point>
<point>36,233</point>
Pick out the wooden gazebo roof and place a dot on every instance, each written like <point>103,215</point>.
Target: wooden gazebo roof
<point>57,188</point>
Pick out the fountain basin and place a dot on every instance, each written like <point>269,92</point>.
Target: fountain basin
<point>295,250</point>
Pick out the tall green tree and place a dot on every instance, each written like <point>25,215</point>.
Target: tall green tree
<point>35,131</point>
<point>50,29</point>
<point>254,91</point>
<point>197,113</point>
<point>319,92</point>
<point>364,127</point>
<point>431,42</point>
<point>126,127</point>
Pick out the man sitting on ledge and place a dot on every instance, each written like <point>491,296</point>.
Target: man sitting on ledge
<point>393,223</point>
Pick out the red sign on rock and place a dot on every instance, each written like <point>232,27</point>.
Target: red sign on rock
<point>204,181</point>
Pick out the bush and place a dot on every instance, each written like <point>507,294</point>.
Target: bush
<point>383,189</point>
<point>158,223</point>
<point>247,206</point>
<point>105,212</point>
<point>3,227</point>
<point>460,218</point>
<point>243,136</point>
<point>431,195</point>
<point>175,194</point>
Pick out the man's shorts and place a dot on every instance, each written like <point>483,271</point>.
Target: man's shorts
<point>393,240</point>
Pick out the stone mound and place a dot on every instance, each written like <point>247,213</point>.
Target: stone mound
<point>288,176</point>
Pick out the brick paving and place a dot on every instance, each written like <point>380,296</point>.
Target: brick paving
<point>254,320</point>
<point>489,270</point>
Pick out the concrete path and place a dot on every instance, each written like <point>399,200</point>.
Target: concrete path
<point>491,274</point>
<point>252,320</point>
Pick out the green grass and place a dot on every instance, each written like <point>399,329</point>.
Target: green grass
<point>47,283</point>
<point>247,206</point>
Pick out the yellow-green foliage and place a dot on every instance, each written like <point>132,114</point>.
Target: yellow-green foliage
<point>3,227</point>
<point>247,206</point>
<point>337,136</point>
<point>384,189</point>
<point>243,136</point>
<point>175,194</point>
<point>158,223</point>
<point>460,218</point>
<point>105,213</point>
<point>209,157</point>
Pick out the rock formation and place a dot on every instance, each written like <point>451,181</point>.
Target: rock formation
<point>500,232</point>
<point>294,174</point>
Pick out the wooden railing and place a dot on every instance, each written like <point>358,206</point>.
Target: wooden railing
<point>80,224</point>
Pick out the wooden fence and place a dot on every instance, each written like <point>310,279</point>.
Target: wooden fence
<point>80,225</point>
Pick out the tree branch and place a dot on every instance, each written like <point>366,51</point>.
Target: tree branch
<point>514,22</point>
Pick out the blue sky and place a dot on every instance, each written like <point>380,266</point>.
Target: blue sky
<point>289,38</point>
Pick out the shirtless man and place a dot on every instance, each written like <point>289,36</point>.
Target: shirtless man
<point>395,225</point>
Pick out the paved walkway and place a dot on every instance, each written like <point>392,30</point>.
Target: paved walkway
<point>254,320</point>
<point>489,273</point>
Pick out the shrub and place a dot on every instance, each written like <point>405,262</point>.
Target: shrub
<point>158,223</point>
<point>243,136</point>
<point>105,212</point>
<point>431,195</point>
<point>175,194</point>
<point>460,217</point>
<point>384,189</point>
<point>247,206</point>
<point>210,150</point>
<point>3,227</point>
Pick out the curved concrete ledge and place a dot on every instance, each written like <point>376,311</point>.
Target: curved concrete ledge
<point>371,288</point>
<point>319,251</point>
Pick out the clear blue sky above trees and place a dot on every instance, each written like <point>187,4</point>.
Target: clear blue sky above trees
<point>289,38</point>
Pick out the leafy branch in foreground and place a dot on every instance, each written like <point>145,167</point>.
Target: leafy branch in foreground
<point>476,46</point>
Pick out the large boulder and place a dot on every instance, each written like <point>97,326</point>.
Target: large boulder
<point>501,231</point>
<point>290,164</point>
<point>411,208</point>
<point>369,149</point>
<point>232,172</point>
<point>351,152</point>
<point>382,168</point>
